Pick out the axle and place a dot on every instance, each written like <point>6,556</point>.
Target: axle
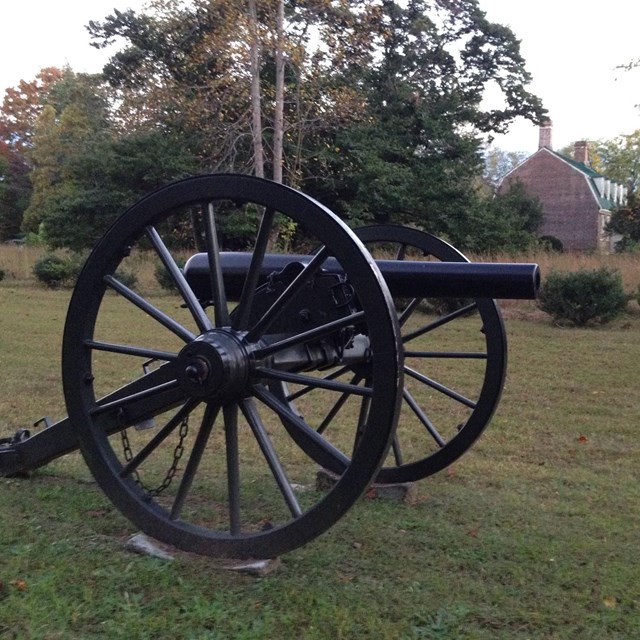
<point>405,278</point>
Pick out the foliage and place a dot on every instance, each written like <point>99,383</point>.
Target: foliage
<point>620,159</point>
<point>498,162</point>
<point>85,174</point>
<point>383,111</point>
<point>163,277</point>
<point>583,297</point>
<point>551,243</point>
<point>507,222</point>
<point>15,190</point>
<point>415,155</point>
<point>21,107</point>
<point>55,271</point>
<point>377,98</point>
<point>626,223</point>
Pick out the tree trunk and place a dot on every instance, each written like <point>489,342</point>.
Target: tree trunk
<point>278,125</point>
<point>256,102</point>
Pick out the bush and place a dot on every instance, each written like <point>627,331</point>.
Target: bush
<point>551,244</point>
<point>56,271</point>
<point>163,277</point>
<point>127,278</point>
<point>583,297</point>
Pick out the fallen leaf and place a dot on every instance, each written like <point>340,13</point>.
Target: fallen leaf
<point>583,439</point>
<point>472,533</point>
<point>20,585</point>
<point>610,602</point>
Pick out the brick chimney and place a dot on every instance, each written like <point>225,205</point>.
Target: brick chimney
<point>546,127</point>
<point>581,151</point>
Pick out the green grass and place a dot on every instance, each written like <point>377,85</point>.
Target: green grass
<point>532,535</point>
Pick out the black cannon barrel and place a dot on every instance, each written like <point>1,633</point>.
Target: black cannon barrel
<point>405,278</point>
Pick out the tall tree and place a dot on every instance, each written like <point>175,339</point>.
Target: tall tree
<point>498,162</point>
<point>415,155</point>
<point>22,105</point>
<point>86,171</point>
<point>15,190</point>
<point>620,160</point>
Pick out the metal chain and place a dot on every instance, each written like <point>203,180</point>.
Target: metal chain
<point>171,471</point>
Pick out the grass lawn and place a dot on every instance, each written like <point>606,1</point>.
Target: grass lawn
<point>533,534</point>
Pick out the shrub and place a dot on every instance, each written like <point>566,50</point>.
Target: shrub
<point>551,244</point>
<point>163,277</point>
<point>127,278</point>
<point>56,271</point>
<point>583,297</point>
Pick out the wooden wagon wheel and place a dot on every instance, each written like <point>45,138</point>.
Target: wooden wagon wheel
<point>455,365</point>
<point>192,450</point>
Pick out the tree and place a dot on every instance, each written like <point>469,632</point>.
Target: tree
<point>21,107</point>
<point>620,159</point>
<point>498,162</point>
<point>414,155</point>
<point>374,106</point>
<point>15,190</point>
<point>86,171</point>
<point>625,222</point>
<point>508,222</point>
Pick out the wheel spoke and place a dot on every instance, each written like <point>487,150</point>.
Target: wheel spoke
<point>332,376</point>
<point>363,418</point>
<point>139,396</point>
<point>230,413</point>
<point>243,310</point>
<point>158,439</point>
<point>422,416</point>
<point>407,312</point>
<point>288,294</point>
<point>125,349</point>
<point>450,393</point>
<point>333,412</point>
<point>209,418</point>
<point>198,313</point>
<point>397,452</point>
<point>307,336</point>
<point>150,309</point>
<point>464,355</point>
<point>313,438</point>
<point>440,322</point>
<point>221,310</point>
<point>310,381</point>
<point>268,451</point>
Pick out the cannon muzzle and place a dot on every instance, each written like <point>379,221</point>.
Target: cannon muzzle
<point>405,278</point>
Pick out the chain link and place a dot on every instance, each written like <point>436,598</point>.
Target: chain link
<point>171,471</point>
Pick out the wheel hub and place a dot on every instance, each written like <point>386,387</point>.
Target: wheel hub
<point>215,366</point>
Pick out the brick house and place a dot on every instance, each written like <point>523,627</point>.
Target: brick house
<point>576,200</point>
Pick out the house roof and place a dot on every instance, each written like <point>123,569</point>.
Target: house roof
<point>590,176</point>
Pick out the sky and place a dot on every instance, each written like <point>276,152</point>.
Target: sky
<point>571,48</point>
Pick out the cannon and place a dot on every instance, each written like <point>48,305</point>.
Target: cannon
<point>203,410</point>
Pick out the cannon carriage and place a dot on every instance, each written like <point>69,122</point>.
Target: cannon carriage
<point>204,413</point>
